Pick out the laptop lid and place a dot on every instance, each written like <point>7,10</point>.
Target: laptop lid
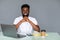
<point>9,30</point>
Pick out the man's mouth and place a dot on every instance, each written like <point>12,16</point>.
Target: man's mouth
<point>25,14</point>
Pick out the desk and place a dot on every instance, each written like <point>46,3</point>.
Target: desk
<point>51,36</point>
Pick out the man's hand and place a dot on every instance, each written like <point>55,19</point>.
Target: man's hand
<point>23,20</point>
<point>26,19</point>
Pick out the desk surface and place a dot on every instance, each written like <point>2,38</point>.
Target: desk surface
<point>51,36</point>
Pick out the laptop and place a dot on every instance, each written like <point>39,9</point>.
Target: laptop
<point>9,30</point>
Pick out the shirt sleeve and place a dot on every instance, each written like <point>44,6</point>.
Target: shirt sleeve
<point>15,21</point>
<point>35,21</point>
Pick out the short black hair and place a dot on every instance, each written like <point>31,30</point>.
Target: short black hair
<point>25,5</point>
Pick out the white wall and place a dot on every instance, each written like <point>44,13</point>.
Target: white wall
<point>47,12</point>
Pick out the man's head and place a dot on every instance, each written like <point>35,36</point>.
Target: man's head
<point>25,8</point>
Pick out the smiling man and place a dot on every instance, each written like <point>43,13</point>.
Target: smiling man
<point>26,24</point>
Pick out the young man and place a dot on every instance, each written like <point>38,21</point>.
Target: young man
<point>26,24</point>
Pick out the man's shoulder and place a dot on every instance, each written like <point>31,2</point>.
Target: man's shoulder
<point>31,17</point>
<point>33,20</point>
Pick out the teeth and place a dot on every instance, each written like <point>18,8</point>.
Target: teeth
<point>25,14</point>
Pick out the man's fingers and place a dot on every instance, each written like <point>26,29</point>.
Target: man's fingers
<point>25,19</point>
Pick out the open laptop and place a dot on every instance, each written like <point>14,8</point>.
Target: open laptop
<point>10,31</point>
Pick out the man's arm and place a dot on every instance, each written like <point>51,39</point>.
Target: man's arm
<point>19,23</point>
<point>35,27</point>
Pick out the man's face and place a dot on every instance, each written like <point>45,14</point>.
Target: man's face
<point>25,11</point>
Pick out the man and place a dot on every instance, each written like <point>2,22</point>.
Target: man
<point>26,24</point>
